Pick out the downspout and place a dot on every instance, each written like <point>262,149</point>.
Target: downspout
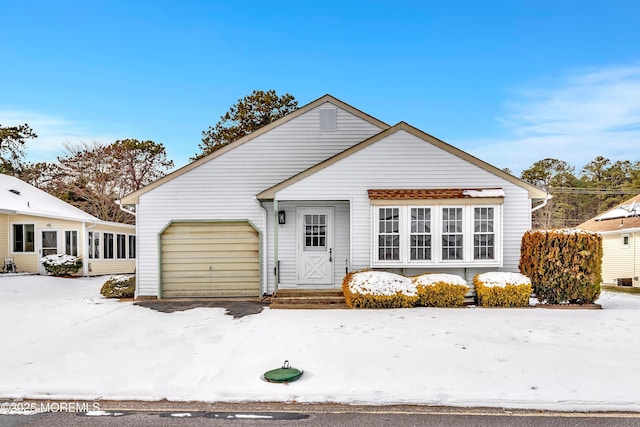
<point>265,245</point>
<point>543,204</point>
<point>276,266</point>
<point>85,247</point>
<point>123,209</point>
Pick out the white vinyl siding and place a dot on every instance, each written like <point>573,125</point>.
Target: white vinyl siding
<point>415,164</point>
<point>225,187</point>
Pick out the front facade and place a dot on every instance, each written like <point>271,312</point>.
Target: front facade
<point>620,230</point>
<point>34,224</point>
<point>321,192</point>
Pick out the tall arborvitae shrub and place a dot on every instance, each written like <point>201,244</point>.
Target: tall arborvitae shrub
<point>565,266</point>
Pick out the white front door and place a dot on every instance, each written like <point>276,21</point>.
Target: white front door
<point>315,246</point>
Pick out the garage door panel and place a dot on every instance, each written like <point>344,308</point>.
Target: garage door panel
<point>210,259</point>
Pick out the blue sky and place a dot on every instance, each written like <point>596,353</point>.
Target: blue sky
<point>511,82</point>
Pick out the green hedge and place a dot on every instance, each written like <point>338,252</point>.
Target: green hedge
<point>61,265</point>
<point>514,294</point>
<point>565,266</point>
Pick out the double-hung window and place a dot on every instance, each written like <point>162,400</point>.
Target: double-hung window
<point>71,242</point>
<point>132,246</point>
<point>454,234</point>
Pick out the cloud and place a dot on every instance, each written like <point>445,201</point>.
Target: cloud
<point>585,115</point>
<point>53,132</point>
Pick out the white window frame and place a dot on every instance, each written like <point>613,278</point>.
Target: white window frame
<point>13,238</point>
<point>92,237</point>
<point>622,241</point>
<point>436,237</point>
<point>132,249</point>
<point>121,249</point>
<point>72,243</point>
<point>108,246</point>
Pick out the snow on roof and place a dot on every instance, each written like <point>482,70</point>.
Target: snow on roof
<point>501,279</point>
<point>19,197</point>
<point>622,211</point>
<point>487,192</point>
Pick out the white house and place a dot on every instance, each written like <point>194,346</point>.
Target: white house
<point>620,230</point>
<point>320,192</point>
<point>34,224</point>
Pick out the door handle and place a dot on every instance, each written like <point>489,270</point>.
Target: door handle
<point>330,254</point>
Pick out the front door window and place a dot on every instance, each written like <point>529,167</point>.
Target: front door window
<point>49,242</point>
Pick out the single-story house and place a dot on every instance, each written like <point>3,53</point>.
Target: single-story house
<point>620,230</point>
<point>323,191</point>
<point>34,224</point>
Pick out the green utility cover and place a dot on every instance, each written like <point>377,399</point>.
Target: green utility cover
<point>285,374</point>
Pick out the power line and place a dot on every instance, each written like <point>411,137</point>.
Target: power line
<point>578,190</point>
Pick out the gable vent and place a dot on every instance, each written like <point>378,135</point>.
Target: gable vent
<point>14,191</point>
<point>327,119</point>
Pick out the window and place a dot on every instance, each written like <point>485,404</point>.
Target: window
<point>121,246</point>
<point>94,245</point>
<point>107,249</point>
<point>71,242</point>
<point>420,237</point>
<point>389,234</point>
<point>315,232</point>
<point>625,241</point>
<point>23,237</point>
<point>452,234</point>
<point>132,247</point>
<point>483,234</point>
<point>430,235</point>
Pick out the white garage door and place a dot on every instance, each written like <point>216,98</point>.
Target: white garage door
<point>210,259</point>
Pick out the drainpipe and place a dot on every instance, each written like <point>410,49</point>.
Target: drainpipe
<point>276,267</point>
<point>265,245</point>
<point>123,209</point>
<point>85,247</point>
<point>543,204</point>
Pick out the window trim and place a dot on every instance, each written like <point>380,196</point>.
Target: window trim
<point>108,252</point>
<point>436,236</point>
<point>13,242</point>
<point>77,242</point>
<point>123,246</point>
<point>91,238</point>
<point>132,248</point>
<point>622,238</point>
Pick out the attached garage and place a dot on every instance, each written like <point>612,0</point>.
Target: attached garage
<point>210,259</point>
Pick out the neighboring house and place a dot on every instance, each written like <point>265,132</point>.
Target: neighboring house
<point>620,230</point>
<point>34,223</point>
<point>323,191</point>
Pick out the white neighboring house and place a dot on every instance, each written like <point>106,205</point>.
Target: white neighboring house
<point>34,224</point>
<point>323,191</point>
<point>620,230</point>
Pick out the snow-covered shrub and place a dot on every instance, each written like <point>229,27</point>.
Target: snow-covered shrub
<point>440,290</point>
<point>378,289</point>
<point>502,289</point>
<point>119,287</point>
<point>565,266</point>
<point>61,265</point>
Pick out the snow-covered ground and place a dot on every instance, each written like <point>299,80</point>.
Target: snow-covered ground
<point>61,340</point>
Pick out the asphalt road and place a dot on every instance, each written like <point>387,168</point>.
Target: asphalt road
<point>316,416</point>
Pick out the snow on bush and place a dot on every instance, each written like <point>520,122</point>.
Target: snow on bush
<point>380,289</point>
<point>121,286</point>
<point>501,279</point>
<point>431,279</point>
<point>61,265</point>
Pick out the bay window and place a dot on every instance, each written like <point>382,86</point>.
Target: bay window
<point>436,235</point>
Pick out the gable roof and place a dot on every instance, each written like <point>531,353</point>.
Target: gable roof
<point>534,192</point>
<point>16,196</point>
<point>132,198</point>
<point>624,216</point>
